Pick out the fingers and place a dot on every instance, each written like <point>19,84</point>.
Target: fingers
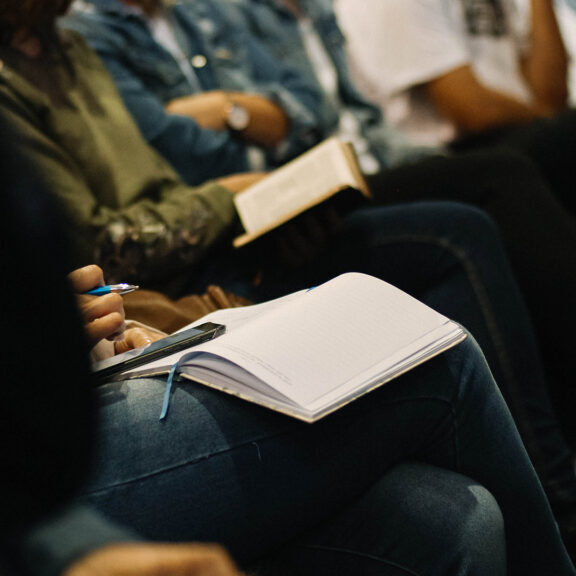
<point>219,296</point>
<point>86,278</point>
<point>135,338</point>
<point>103,316</point>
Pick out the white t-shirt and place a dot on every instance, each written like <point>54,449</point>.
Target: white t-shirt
<point>396,45</point>
<point>567,20</point>
<point>348,128</point>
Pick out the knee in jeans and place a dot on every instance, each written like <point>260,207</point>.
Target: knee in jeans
<point>457,517</point>
<point>470,221</point>
<point>482,519</point>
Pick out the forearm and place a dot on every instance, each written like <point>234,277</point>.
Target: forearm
<point>474,107</point>
<point>545,66</point>
<point>173,233</point>
<point>268,123</point>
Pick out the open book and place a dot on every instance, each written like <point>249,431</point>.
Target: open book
<point>311,352</point>
<point>327,169</point>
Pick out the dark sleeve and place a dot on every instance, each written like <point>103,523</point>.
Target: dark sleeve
<point>51,546</point>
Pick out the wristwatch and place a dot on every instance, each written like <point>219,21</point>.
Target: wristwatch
<point>237,117</point>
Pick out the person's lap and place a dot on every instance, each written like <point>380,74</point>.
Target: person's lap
<point>221,469</point>
<point>448,255</point>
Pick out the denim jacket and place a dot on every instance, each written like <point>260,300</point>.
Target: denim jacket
<point>278,28</point>
<point>224,57</point>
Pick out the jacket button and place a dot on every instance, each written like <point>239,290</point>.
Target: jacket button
<point>198,61</point>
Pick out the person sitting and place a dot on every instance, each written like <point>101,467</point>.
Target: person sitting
<point>49,424</point>
<point>485,75</point>
<point>307,38</point>
<point>407,465</point>
<point>132,215</point>
<point>206,119</point>
<point>475,75</point>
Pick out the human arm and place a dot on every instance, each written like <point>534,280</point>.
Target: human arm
<point>474,105</point>
<point>78,541</point>
<point>237,62</point>
<point>104,316</point>
<point>419,50</point>
<point>545,66</point>
<point>196,152</point>
<point>129,204</point>
<point>268,124</point>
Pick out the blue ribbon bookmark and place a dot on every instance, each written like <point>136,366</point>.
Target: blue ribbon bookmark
<point>167,393</point>
<point>173,375</point>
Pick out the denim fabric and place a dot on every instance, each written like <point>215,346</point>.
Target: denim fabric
<point>278,28</point>
<point>448,255</point>
<point>444,522</point>
<point>148,77</point>
<point>220,469</point>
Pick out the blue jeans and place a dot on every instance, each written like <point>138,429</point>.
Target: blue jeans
<point>221,469</point>
<point>448,255</point>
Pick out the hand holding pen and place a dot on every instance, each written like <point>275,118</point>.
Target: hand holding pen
<point>102,309</point>
<point>103,315</point>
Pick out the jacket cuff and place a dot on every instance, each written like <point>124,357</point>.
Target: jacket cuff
<point>51,546</point>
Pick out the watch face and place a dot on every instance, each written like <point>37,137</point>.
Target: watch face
<point>238,117</point>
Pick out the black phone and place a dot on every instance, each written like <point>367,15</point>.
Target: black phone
<point>106,369</point>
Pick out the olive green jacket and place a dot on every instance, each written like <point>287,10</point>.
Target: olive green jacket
<point>128,207</point>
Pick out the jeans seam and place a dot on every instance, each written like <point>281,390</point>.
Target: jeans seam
<point>252,441</point>
<point>489,316</point>
<point>172,468</point>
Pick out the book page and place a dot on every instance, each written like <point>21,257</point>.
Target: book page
<point>335,335</point>
<point>314,175</point>
<point>231,318</point>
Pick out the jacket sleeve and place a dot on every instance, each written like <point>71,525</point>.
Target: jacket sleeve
<point>53,545</point>
<point>196,153</point>
<point>299,98</point>
<point>153,234</point>
<point>253,67</point>
<point>199,154</point>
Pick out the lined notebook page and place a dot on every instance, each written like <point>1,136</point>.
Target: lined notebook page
<point>326,337</point>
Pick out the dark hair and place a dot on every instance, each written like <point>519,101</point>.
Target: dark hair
<point>45,383</point>
<point>36,16</point>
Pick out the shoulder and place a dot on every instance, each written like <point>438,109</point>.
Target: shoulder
<point>79,51</point>
<point>98,28</point>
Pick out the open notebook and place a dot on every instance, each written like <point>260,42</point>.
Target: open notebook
<point>309,353</point>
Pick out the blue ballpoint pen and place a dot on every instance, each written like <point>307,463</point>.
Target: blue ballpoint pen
<point>112,289</point>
